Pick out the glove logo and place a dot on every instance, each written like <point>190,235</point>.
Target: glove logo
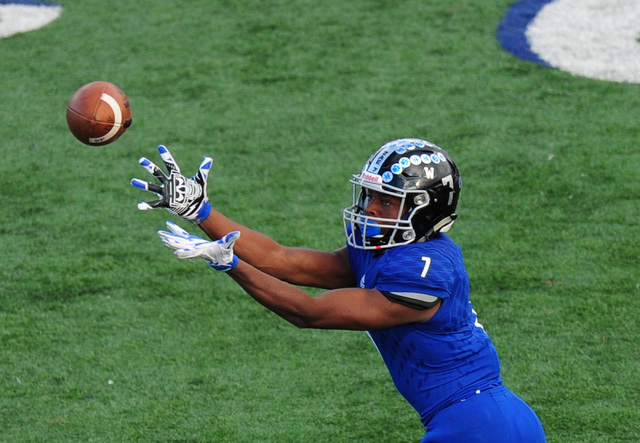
<point>179,190</point>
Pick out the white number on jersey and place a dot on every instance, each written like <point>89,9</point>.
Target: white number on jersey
<point>427,263</point>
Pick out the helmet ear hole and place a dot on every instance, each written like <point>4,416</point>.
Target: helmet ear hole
<point>421,199</point>
<point>409,235</point>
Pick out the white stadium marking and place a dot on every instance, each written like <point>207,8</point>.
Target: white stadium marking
<point>18,17</point>
<point>590,38</point>
<point>117,119</point>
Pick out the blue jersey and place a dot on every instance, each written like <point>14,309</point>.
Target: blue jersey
<point>446,359</point>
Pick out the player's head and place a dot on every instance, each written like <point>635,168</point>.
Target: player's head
<point>425,180</point>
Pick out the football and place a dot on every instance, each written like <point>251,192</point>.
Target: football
<point>98,113</point>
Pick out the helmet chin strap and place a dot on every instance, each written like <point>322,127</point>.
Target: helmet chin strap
<point>442,226</point>
<point>447,225</point>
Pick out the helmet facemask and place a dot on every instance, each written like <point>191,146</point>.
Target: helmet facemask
<point>370,232</point>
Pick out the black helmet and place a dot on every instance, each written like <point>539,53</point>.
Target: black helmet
<point>426,180</point>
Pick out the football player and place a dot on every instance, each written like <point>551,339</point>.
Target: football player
<point>399,277</point>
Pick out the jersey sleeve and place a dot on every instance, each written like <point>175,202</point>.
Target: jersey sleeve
<point>418,279</point>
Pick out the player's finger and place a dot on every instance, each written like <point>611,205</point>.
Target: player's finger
<point>171,240</point>
<point>141,184</point>
<point>175,242</point>
<point>146,206</point>
<point>187,253</point>
<point>177,230</point>
<point>168,159</point>
<point>229,240</point>
<point>205,167</point>
<point>152,168</point>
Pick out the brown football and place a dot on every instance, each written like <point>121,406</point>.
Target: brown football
<point>98,113</point>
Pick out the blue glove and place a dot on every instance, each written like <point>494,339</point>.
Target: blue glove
<point>218,254</point>
<point>185,197</point>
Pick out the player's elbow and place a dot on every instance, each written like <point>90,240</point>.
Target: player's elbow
<point>302,322</point>
<point>305,320</point>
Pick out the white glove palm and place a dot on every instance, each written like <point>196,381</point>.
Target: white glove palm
<point>219,254</point>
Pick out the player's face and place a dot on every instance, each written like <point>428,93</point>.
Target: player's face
<point>379,204</point>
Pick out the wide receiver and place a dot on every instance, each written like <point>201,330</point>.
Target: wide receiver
<point>399,277</point>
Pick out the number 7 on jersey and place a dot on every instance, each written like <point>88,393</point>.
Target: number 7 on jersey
<point>427,263</point>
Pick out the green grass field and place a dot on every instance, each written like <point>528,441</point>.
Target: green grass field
<point>105,337</point>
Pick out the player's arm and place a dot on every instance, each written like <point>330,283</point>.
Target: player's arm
<point>347,308</point>
<point>188,199</point>
<point>300,266</point>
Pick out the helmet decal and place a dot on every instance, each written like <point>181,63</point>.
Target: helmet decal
<point>430,173</point>
<point>401,146</point>
<point>375,178</point>
<point>376,162</point>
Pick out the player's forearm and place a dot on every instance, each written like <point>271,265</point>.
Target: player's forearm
<point>298,266</point>
<point>252,243</point>
<point>255,248</point>
<point>285,300</point>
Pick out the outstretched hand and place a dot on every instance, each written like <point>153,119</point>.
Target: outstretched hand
<point>185,197</point>
<point>219,254</point>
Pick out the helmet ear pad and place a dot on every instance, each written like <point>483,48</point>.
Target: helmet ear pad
<point>433,207</point>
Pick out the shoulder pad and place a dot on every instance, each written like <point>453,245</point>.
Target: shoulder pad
<point>413,300</point>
